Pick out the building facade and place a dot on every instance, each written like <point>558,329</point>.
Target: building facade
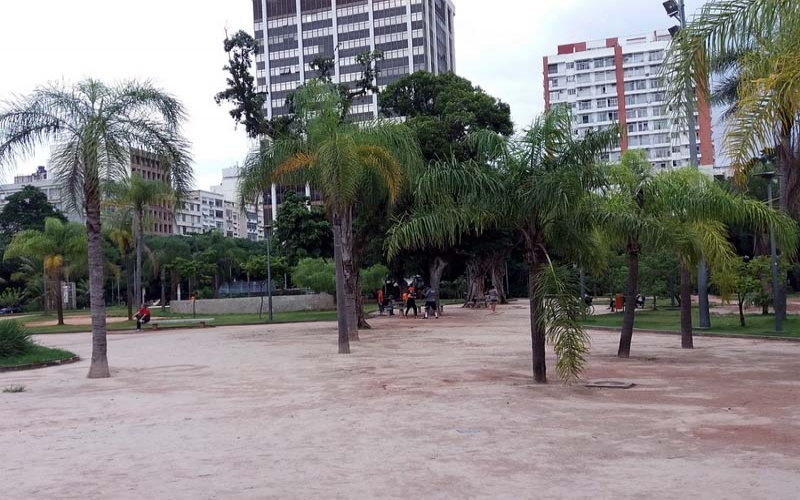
<point>413,35</point>
<point>49,186</point>
<point>617,80</point>
<point>161,214</point>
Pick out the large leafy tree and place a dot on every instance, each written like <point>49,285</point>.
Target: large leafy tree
<point>539,186</point>
<point>302,231</point>
<point>27,209</point>
<point>443,110</point>
<point>95,126</point>
<point>137,194</point>
<point>340,160</point>
<point>59,245</point>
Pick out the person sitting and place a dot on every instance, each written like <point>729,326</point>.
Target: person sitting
<point>640,301</point>
<point>142,316</point>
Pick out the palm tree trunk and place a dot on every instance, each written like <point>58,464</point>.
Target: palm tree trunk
<point>362,319</point>
<point>129,289</point>
<point>538,333</point>
<point>740,300</point>
<point>139,244</point>
<point>437,268</point>
<point>59,296</point>
<point>686,308</point>
<point>631,289</point>
<point>349,273</point>
<point>163,289</point>
<point>99,364</point>
<point>341,303</point>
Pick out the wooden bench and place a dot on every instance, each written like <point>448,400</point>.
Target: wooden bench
<point>180,321</point>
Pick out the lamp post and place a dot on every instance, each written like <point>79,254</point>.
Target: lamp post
<point>776,288</point>
<point>267,229</point>
<point>677,10</point>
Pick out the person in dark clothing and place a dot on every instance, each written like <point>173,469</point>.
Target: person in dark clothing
<point>411,303</point>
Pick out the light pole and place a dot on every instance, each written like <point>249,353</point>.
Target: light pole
<point>267,229</point>
<point>776,289</point>
<point>677,10</point>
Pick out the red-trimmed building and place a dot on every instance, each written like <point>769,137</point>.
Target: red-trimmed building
<point>617,80</point>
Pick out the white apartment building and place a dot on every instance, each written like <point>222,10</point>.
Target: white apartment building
<point>249,221</point>
<point>49,186</point>
<point>202,212</point>
<point>617,80</point>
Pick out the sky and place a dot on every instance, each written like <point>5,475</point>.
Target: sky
<point>178,45</point>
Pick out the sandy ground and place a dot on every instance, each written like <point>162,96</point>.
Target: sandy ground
<point>421,409</point>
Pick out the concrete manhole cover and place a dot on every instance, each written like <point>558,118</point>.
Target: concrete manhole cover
<point>609,384</point>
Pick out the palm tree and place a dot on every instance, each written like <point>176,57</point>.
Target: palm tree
<point>95,126</point>
<point>137,193</point>
<point>539,186</point>
<point>342,160</point>
<point>59,244</point>
<point>762,37</point>
<point>684,211</point>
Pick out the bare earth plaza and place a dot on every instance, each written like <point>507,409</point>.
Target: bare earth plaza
<point>419,410</point>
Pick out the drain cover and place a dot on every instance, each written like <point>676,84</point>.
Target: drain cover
<point>609,384</point>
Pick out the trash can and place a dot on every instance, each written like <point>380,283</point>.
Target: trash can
<point>619,302</point>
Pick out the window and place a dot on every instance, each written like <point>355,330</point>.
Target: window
<point>571,79</point>
<point>643,126</point>
<point>582,105</point>
<point>656,55</point>
<point>656,83</point>
<point>570,65</point>
<point>612,102</point>
<point>585,119</point>
<point>572,92</point>
<point>613,116</point>
<point>602,103</point>
<point>552,69</point>
<point>584,78</point>
<point>640,85</point>
<point>582,65</point>
<point>553,82</point>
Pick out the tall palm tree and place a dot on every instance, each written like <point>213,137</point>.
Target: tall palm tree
<point>681,210</point>
<point>95,126</point>
<point>341,160</point>
<point>138,194</point>
<point>762,37</point>
<point>59,244</point>
<point>539,186</point>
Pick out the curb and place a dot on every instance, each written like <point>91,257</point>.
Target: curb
<point>45,364</point>
<point>698,334</point>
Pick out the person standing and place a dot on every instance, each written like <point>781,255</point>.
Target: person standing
<point>411,303</point>
<point>430,303</point>
<point>494,296</point>
<point>380,302</point>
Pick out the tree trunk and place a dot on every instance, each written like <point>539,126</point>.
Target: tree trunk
<point>686,308</point>
<point>362,320</point>
<point>163,289</point>
<point>498,272</point>
<point>99,364</point>
<point>59,297</point>
<point>437,268</point>
<point>346,234</point>
<point>631,289</point>
<point>341,302</point>
<point>538,333</point>
<point>139,244</point>
<point>741,310</point>
<point>129,288</point>
<point>248,285</point>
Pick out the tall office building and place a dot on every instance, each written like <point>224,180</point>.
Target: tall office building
<point>413,35</point>
<point>618,80</point>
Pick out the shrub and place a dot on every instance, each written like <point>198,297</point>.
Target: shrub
<point>316,274</point>
<point>15,339</point>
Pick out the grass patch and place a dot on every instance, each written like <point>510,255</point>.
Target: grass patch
<point>36,354</point>
<point>668,320</point>
<point>14,389</point>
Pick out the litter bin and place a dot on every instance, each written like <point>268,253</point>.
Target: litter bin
<point>619,302</point>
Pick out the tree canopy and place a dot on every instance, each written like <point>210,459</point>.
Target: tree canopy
<point>27,209</point>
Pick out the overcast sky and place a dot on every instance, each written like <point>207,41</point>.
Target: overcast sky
<point>178,44</point>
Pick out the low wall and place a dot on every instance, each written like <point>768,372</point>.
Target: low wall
<point>280,303</point>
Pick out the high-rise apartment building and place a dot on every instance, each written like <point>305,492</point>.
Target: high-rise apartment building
<point>413,35</point>
<point>160,214</point>
<point>617,80</point>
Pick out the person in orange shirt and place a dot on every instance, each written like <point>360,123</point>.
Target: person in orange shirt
<point>411,303</point>
<point>380,302</point>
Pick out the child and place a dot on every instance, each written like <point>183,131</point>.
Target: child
<point>493,298</point>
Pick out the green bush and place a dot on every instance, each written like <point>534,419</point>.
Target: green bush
<point>317,274</point>
<point>15,339</point>
<point>372,278</point>
<point>10,297</point>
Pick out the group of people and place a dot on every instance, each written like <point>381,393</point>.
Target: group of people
<point>409,302</point>
<point>614,306</point>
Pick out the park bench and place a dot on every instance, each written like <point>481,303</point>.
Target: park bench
<point>156,322</point>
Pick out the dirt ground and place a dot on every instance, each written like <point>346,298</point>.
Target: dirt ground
<point>421,409</point>
<point>76,320</point>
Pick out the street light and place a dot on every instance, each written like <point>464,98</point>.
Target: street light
<point>267,229</point>
<point>776,289</point>
<point>676,9</point>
